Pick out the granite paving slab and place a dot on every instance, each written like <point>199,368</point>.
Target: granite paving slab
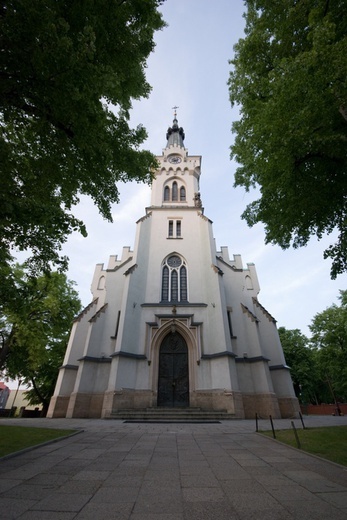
<point>123,471</point>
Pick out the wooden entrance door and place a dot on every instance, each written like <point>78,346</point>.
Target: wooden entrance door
<point>173,383</point>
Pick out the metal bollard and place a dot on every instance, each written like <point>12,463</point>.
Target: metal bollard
<point>296,435</point>
<point>302,421</point>
<point>273,429</point>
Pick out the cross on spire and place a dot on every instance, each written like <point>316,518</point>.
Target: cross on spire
<point>175,109</point>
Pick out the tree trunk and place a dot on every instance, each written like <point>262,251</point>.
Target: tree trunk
<point>43,400</point>
<point>5,348</point>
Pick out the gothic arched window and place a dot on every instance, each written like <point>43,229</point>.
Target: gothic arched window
<point>174,192</point>
<point>174,287</point>
<point>183,284</point>
<point>166,193</point>
<point>165,284</point>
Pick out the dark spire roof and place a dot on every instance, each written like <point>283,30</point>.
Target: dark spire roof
<point>175,135</point>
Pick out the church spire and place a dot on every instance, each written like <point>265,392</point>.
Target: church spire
<point>175,135</point>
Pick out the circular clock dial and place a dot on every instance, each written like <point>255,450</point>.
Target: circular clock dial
<point>175,159</point>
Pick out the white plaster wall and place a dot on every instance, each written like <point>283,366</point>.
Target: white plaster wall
<point>65,382</point>
<point>204,375</point>
<point>78,336</point>
<point>126,374</point>
<point>270,340</point>
<point>98,292</point>
<point>99,341</point>
<point>220,374</point>
<point>85,377</point>
<point>245,377</point>
<point>244,329</point>
<point>282,383</point>
<point>261,377</point>
<point>100,382</point>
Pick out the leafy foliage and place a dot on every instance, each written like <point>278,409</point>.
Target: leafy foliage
<point>300,359</point>
<point>329,338</point>
<point>34,330</point>
<point>69,73</point>
<point>289,78</point>
<point>319,364</point>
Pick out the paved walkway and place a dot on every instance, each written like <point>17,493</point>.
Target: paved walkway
<point>116,470</point>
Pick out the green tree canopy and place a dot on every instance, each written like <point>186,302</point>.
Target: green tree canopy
<point>69,73</point>
<point>289,78</point>
<point>300,359</point>
<point>329,338</point>
<point>34,329</point>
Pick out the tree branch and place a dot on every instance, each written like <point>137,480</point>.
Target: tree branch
<point>34,111</point>
<point>326,7</point>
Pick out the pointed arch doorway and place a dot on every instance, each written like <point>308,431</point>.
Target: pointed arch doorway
<point>173,380</point>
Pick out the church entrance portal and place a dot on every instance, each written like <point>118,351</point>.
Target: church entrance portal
<point>173,383</point>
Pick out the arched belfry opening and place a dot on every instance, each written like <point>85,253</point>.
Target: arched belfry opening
<point>173,377</point>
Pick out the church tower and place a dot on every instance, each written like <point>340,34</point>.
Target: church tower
<point>174,323</point>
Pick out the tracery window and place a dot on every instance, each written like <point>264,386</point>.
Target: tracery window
<point>174,287</point>
<point>174,192</point>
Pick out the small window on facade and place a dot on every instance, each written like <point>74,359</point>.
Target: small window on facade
<point>167,193</point>
<point>117,324</point>
<point>182,193</point>
<point>174,229</point>
<point>230,323</point>
<point>174,191</point>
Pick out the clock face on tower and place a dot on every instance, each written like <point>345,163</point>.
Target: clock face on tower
<point>174,159</point>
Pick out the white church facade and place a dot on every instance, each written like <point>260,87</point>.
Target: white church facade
<point>174,323</point>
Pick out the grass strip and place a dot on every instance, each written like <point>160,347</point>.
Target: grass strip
<point>16,438</point>
<point>329,442</point>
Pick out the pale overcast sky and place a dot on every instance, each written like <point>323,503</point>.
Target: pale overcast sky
<point>189,68</point>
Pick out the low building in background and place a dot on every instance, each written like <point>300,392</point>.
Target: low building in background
<point>4,395</point>
<point>18,403</point>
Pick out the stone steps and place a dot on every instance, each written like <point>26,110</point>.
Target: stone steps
<point>171,415</point>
